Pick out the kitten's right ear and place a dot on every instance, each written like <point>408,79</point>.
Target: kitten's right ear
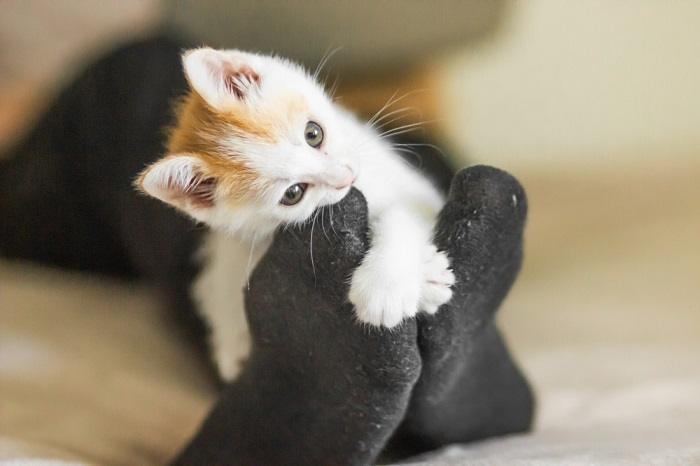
<point>221,78</point>
<point>183,181</point>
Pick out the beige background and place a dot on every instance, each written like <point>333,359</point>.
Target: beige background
<point>578,85</point>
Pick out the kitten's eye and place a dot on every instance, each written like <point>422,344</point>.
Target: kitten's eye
<point>294,194</point>
<point>313,134</point>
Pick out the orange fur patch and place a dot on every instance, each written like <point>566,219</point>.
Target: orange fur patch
<point>195,119</point>
<point>199,128</point>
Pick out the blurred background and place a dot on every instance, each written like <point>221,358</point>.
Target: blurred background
<point>593,105</point>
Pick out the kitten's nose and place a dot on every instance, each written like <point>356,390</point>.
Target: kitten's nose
<point>346,179</point>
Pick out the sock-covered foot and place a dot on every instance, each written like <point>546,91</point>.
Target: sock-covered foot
<point>319,388</point>
<point>469,387</point>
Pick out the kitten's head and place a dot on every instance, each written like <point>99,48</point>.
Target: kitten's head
<point>257,144</point>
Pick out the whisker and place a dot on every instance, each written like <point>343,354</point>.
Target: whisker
<point>323,223</point>
<point>387,122</point>
<point>394,112</point>
<point>391,101</point>
<point>390,134</point>
<point>333,89</point>
<point>420,144</point>
<point>311,245</point>
<point>418,157</point>
<point>406,126</point>
<point>330,220</point>
<point>388,103</point>
<point>326,56</point>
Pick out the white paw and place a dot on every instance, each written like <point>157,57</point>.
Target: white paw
<point>230,354</point>
<point>384,294</point>
<point>438,281</point>
<point>384,297</point>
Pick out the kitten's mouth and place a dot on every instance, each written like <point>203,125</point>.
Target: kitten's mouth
<point>346,184</point>
<point>347,181</point>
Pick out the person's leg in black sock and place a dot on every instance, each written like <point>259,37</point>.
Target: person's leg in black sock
<point>469,387</point>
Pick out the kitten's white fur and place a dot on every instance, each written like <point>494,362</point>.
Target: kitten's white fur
<point>218,293</point>
<point>401,274</point>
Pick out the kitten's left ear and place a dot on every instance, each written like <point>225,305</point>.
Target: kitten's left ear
<point>222,78</point>
<point>183,181</point>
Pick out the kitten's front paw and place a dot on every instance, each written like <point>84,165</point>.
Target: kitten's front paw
<point>386,294</point>
<point>437,285</point>
<point>231,352</point>
<point>384,298</point>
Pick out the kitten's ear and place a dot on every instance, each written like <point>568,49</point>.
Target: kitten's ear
<point>182,181</point>
<point>221,78</point>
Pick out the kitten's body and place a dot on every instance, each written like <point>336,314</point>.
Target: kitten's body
<point>239,147</point>
<point>229,258</point>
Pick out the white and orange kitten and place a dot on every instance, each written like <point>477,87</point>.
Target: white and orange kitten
<point>259,144</point>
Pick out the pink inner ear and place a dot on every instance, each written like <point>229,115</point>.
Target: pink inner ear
<point>238,80</point>
<point>199,192</point>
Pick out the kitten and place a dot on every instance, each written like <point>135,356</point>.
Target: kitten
<point>258,144</point>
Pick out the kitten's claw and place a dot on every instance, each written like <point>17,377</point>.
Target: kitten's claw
<point>230,354</point>
<point>439,279</point>
<point>385,297</point>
